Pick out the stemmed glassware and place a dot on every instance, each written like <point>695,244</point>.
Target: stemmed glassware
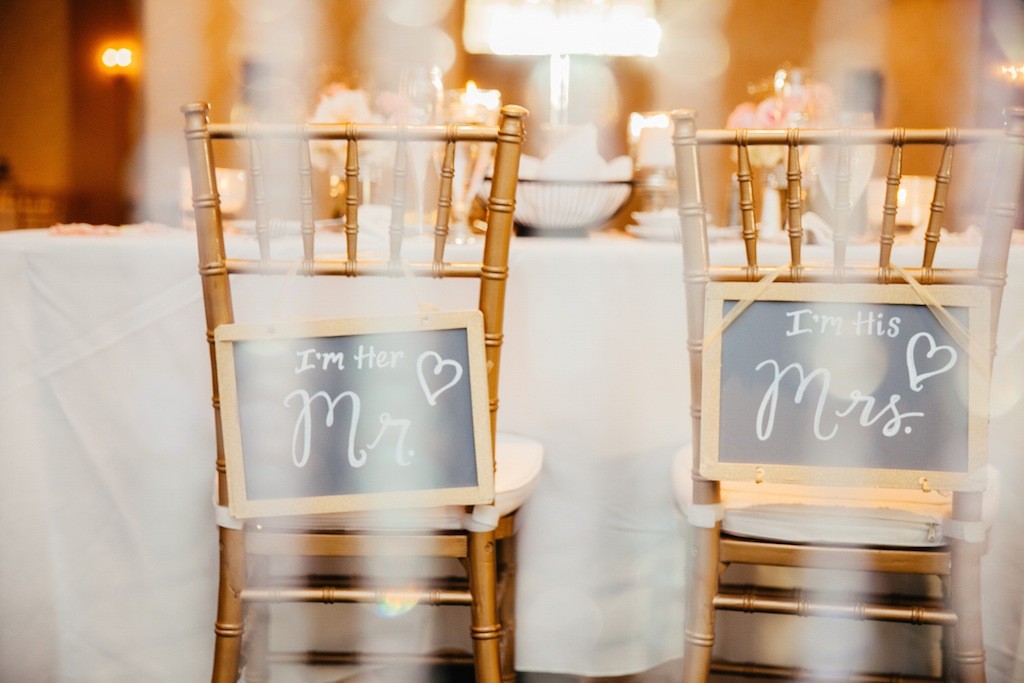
<point>472,160</point>
<point>422,95</point>
<point>862,164</point>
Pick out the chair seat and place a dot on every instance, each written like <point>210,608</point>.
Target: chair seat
<point>518,463</point>
<point>899,518</point>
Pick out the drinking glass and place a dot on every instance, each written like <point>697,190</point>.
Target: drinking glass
<point>472,160</point>
<point>862,164</point>
<point>422,95</point>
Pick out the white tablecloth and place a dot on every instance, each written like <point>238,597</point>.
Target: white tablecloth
<point>108,560</point>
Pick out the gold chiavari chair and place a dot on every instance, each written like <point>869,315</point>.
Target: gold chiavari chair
<point>485,549</point>
<point>777,531</point>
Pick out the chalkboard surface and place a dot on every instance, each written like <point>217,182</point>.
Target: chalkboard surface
<point>845,384</point>
<point>333,416</point>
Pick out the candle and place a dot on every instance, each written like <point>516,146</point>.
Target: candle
<point>473,105</point>
<point>654,148</point>
<point>650,138</point>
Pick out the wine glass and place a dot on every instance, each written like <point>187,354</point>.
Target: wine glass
<point>422,95</point>
<point>862,164</point>
<point>472,159</point>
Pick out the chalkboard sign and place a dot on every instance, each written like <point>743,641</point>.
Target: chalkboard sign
<point>845,384</point>
<point>355,414</point>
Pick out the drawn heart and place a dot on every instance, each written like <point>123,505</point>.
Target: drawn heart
<point>439,365</point>
<point>915,377</point>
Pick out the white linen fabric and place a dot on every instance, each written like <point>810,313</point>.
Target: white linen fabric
<point>108,569</point>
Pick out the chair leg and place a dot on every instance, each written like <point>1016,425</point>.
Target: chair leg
<point>257,670</point>
<point>256,644</point>
<point>507,608</point>
<point>946,660</point>
<point>485,629</point>
<point>230,611</point>
<point>700,613</point>
<point>968,646</point>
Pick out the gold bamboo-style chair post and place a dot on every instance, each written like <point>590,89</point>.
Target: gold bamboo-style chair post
<point>217,300</point>
<point>703,538</point>
<point>243,544</point>
<point>1002,214</point>
<point>709,550</point>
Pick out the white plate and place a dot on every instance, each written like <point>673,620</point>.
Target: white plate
<point>279,228</point>
<point>663,218</point>
<point>671,233</point>
<point>660,233</point>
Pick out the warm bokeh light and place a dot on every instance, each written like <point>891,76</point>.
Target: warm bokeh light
<point>1013,72</point>
<point>625,27</point>
<point>118,59</point>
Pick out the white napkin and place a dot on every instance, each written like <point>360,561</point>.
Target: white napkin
<point>576,157</point>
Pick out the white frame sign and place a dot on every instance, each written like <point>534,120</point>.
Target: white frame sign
<point>355,414</point>
<point>846,384</point>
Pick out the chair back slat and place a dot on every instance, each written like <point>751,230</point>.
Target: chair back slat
<point>306,227</point>
<point>444,196</point>
<point>938,204</point>
<point>794,201</point>
<point>396,230</point>
<point>887,234</point>
<point>352,199</point>
<point>744,178</point>
<point>840,233</point>
<point>259,198</point>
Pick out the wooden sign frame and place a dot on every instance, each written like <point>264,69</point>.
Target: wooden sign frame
<point>976,301</point>
<point>241,505</point>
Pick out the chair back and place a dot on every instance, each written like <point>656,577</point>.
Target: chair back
<point>263,143</point>
<point>960,303</point>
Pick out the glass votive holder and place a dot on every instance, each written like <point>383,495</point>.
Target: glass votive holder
<point>650,145</point>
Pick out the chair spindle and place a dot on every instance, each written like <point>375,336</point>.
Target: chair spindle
<point>444,197</point>
<point>794,201</point>
<point>306,226</point>
<point>840,233</point>
<point>351,201</point>
<point>892,189</point>
<point>397,229</point>
<point>938,206</point>
<point>259,197</point>
<point>744,179</point>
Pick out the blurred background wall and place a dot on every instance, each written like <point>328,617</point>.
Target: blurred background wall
<point>109,143</point>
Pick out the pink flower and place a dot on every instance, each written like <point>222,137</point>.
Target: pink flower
<point>338,104</point>
<point>807,103</point>
<point>390,104</point>
<point>743,116</point>
<point>772,113</point>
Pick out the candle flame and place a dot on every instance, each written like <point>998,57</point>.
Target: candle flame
<point>1013,71</point>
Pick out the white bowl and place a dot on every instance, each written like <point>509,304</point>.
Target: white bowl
<point>568,205</point>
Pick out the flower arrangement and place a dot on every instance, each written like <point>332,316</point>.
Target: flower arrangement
<point>789,100</point>
<point>337,103</point>
<point>416,102</point>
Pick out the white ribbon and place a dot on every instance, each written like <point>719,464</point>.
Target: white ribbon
<point>705,516</point>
